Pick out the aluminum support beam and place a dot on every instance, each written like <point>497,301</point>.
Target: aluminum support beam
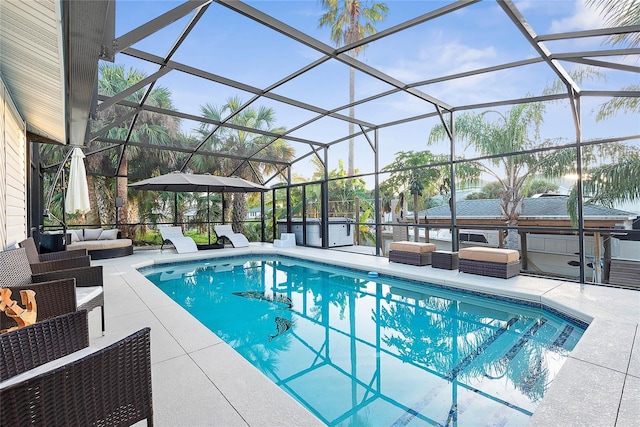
<point>521,23</point>
<point>590,33</point>
<point>151,27</point>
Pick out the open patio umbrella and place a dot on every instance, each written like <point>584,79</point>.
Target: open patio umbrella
<point>77,199</point>
<point>180,182</point>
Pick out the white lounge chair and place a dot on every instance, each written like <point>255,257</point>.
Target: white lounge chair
<point>182,243</point>
<point>238,240</point>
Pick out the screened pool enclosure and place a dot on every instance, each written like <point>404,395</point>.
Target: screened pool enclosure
<point>496,123</point>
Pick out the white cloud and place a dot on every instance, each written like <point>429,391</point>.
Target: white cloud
<point>465,57</point>
<point>441,58</point>
<point>524,5</point>
<point>583,18</point>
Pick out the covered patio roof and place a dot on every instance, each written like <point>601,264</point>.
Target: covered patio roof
<point>537,212</point>
<point>49,53</point>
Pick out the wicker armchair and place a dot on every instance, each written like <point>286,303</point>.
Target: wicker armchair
<point>41,263</point>
<point>64,382</point>
<point>15,271</point>
<point>53,298</point>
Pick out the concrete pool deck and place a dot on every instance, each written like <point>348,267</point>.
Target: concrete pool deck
<point>199,380</point>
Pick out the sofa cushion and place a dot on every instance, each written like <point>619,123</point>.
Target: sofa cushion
<point>109,234</point>
<point>76,235</point>
<point>93,245</point>
<point>415,247</point>
<point>479,253</point>
<point>92,233</point>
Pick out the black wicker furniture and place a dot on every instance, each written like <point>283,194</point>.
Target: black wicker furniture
<point>413,253</point>
<point>53,299</point>
<point>99,243</point>
<point>446,260</point>
<point>41,263</point>
<point>493,262</point>
<point>50,376</point>
<point>15,272</point>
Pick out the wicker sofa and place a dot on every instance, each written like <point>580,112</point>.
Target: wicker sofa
<point>100,244</point>
<point>50,376</point>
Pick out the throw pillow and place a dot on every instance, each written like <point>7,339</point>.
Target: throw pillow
<point>75,235</point>
<point>92,233</point>
<point>109,234</point>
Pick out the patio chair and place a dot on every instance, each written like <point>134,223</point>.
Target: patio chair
<point>15,272</point>
<point>238,240</point>
<point>53,299</point>
<point>173,235</point>
<point>41,263</point>
<point>50,376</point>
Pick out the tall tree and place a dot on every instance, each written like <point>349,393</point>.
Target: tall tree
<point>619,13</point>
<point>244,144</point>
<point>515,131</point>
<point>351,21</point>
<point>618,180</point>
<point>409,173</point>
<point>149,127</point>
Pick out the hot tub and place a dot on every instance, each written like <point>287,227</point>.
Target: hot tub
<point>341,231</point>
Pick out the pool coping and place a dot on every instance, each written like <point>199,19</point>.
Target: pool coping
<point>599,383</point>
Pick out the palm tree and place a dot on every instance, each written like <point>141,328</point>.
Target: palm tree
<point>149,127</point>
<point>514,131</point>
<point>617,181</point>
<point>609,183</point>
<point>619,13</point>
<point>408,172</point>
<point>243,144</point>
<point>350,22</point>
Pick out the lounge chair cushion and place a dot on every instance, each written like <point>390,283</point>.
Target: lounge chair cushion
<point>414,247</point>
<point>479,253</point>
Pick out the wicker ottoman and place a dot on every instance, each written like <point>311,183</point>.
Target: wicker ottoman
<point>413,253</point>
<point>446,260</point>
<point>493,262</point>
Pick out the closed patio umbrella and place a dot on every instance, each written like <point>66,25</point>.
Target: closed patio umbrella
<point>77,199</point>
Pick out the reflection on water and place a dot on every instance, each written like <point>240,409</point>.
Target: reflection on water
<point>359,351</point>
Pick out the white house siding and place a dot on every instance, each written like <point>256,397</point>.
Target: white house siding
<point>13,173</point>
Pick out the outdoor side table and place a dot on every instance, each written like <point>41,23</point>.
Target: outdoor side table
<point>446,260</point>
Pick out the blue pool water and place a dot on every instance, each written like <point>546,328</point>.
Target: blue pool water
<point>376,351</point>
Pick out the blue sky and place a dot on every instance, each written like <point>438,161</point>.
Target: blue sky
<point>477,36</point>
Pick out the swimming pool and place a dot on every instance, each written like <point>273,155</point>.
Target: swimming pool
<point>360,351</point>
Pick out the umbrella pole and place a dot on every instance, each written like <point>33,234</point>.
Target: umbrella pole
<point>208,218</point>
<point>64,214</point>
<point>175,209</point>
